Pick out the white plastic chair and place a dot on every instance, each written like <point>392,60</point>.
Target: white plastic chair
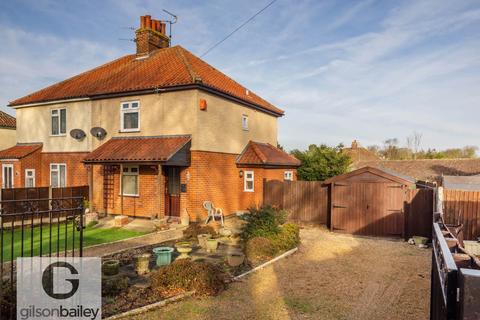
<point>213,212</point>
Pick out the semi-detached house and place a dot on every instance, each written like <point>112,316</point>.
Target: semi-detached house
<point>153,134</point>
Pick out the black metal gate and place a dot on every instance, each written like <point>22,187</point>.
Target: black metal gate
<point>36,227</point>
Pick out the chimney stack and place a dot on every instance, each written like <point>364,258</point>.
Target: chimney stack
<point>150,36</point>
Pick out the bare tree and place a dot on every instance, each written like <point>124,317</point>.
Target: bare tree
<point>417,141</point>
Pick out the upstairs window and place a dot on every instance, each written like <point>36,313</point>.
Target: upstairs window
<point>130,116</point>
<point>288,176</point>
<point>59,122</point>
<point>245,122</point>
<point>249,182</point>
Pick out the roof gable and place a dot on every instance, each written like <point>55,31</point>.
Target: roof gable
<point>164,68</point>
<point>264,154</point>
<point>390,175</point>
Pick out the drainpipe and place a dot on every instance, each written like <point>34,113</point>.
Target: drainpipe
<point>121,189</point>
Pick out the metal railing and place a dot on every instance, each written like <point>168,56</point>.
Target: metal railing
<point>36,227</point>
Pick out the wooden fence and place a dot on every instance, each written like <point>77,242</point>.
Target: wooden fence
<point>44,193</point>
<point>306,201</point>
<point>463,207</point>
<point>309,202</point>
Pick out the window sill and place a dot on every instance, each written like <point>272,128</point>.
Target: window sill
<point>58,135</point>
<point>248,190</point>
<point>129,131</point>
<point>130,195</point>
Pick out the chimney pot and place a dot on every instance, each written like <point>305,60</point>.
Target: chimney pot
<point>142,22</point>
<point>148,22</point>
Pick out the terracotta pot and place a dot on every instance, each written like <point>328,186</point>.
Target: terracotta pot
<point>111,267</point>
<point>142,264</point>
<point>212,245</point>
<point>202,239</point>
<point>235,259</point>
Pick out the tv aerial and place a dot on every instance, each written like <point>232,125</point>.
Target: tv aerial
<point>173,20</point>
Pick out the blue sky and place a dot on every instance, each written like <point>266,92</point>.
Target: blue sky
<point>342,70</point>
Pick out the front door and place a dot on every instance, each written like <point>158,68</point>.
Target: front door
<point>172,191</point>
<point>7,176</point>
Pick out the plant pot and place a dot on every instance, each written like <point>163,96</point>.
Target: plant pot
<point>163,255</point>
<point>184,248</point>
<point>202,239</point>
<point>142,264</point>
<point>235,259</point>
<point>185,220</point>
<point>212,245</point>
<point>111,267</point>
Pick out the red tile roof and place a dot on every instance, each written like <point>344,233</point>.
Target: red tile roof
<point>264,154</point>
<point>164,68</point>
<point>7,121</point>
<point>138,149</point>
<point>20,151</point>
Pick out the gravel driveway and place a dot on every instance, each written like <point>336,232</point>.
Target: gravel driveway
<point>332,276</point>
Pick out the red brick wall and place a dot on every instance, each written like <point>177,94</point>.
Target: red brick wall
<point>76,170</point>
<point>149,202</point>
<point>215,177</point>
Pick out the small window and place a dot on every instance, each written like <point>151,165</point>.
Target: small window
<point>59,122</point>
<point>29,178</point>
<point>130,180</point>
<point>130,116</point>
<point>245,122</point>
<point>288,176</point>
<point>58,175</point>
<point>249,182</point>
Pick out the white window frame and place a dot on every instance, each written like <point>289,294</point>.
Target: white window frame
<point>58,170</point>
<point>33,177</point>
<point>246,179</point>
<point>9,165</point>
<point>244,122</point>
<point>288,176</point>
<point>59,120</point>
<point>130,174</point>
<point>130,109</point>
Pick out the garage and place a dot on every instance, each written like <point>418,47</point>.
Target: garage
<point>369,202</point>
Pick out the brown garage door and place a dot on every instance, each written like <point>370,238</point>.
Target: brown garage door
<point>368,208</point>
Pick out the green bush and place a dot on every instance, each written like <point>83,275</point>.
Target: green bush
<point>262,249</point>
<point>262,222</point>
<point>203,277</point>
<point>194,229</point>
<point>288,237</point>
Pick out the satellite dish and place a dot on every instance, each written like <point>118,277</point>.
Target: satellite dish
<point>98,132</point>
<point>78,134</point>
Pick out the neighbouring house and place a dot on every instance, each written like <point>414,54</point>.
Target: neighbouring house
<point>467,183</point>
<point>154,134</point>
<point>430,170</point>
<point>8,138</point>
<point>358,154</point>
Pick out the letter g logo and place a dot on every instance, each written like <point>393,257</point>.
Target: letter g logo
<point>47,280</point>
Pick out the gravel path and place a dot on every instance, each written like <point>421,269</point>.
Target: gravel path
<point>332,276</point>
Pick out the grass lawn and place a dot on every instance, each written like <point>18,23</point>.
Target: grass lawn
<point>62,237</point>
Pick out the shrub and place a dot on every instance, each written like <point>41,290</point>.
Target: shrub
<point>194,229</point>
<point>203,277</point>
<point>262,222</point>
<point>288,237</point>
<point>259,249</point>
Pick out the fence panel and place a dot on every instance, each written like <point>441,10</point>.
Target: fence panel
<point>462,207</point>
<point>306,201</point>
<point>419,211</point>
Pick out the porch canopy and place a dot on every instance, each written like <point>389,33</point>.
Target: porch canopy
<point>172,150</point>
